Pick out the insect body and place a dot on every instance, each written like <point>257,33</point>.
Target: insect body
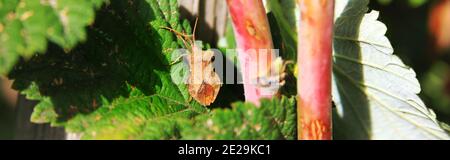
<point>203,82</point>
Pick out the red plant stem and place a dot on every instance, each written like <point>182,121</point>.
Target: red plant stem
<point>252,33</point>
<point>315,63</point>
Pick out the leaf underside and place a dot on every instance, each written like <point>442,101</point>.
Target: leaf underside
<point>375,93</point>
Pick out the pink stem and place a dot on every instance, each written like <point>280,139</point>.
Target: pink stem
<point>252,33</point>
<point>315,63</point>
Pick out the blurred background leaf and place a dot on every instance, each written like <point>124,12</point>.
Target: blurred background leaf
<point>411,3</point>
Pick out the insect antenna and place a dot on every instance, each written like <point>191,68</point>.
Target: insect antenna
<point>195,29</point>
<point>185,38</point>
<point>180,35</point>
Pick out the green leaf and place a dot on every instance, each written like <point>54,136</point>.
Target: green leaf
<point>116,84</point>
<point>132,117</point>
<point>375,93</point>
<point>286,20</point>
<point>26,25</point>
<point>273,120</point>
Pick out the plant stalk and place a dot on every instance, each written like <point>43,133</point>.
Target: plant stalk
<point>254,44</point>
<point>315,37</point>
